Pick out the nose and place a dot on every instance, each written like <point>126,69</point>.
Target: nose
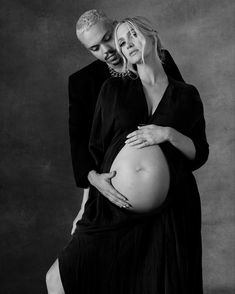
<point>129,44</point>
<point>106,50</point>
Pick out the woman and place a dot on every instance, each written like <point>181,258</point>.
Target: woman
<point>124,249</point>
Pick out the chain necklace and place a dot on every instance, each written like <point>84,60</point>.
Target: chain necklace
<point>117,74</point>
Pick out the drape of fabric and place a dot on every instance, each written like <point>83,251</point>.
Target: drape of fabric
<point>117,251</point>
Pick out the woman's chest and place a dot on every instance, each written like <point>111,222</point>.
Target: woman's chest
<point>132,110</point>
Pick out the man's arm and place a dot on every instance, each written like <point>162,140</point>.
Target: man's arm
<point>81,110</point>
<point>83,93</point>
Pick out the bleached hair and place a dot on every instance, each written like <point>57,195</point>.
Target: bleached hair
<point>88,19</point>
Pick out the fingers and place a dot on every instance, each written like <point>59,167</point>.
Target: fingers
<point>111,174</point>
<point>141,130</point>
<point>106,188</point>
<point>136,136</point>
<point>134,142</point>
<point>117,198</point>
<point>117,201</point>
<point>142,145</point>
<point>114,194</point>
<point>135,133</point>
<point>142,127</point>
<point>103,184</point>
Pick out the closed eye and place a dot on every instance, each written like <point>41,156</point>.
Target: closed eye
<point>107,37</point>
<point>133,33</point>
<point>94,48</point>
<point>121,44</point>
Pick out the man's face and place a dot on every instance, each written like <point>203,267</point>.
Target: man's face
<point>100,42</point>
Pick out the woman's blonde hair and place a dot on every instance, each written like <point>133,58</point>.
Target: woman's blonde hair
<point>144,28</point>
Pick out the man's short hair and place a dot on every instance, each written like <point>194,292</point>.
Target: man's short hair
<point>88,19</point>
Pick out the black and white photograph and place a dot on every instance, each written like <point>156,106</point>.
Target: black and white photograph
<point>117,128</point>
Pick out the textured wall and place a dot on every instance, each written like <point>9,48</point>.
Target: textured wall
<point>38,196</point>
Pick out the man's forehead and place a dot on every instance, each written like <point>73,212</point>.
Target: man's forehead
<point>96,33</point>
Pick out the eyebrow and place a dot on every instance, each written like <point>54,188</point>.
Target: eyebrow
<point>120,39</point>
<point>104,36</point>
<point>128,33</point>
<point>109,32</point>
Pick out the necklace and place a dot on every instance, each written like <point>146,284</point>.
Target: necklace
<point>117,74</point>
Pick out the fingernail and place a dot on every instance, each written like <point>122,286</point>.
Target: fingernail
<point>126,206</point>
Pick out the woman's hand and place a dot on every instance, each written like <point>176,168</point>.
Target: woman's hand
<point>102,182</point>
<point>148,135</point>
<point>152,134</point>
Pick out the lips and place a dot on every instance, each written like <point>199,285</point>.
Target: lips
<point>111,58</point>
<point>132,53</point>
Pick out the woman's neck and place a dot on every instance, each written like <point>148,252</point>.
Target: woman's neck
<point>151,71</point>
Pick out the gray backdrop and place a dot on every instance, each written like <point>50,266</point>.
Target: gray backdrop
<point>38,195</point>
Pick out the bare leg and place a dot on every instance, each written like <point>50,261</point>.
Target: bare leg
<point>53,280</point>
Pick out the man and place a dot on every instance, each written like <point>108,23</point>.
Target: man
<point>95,31</point>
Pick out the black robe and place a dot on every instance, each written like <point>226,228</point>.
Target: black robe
<point>117,251</point>
<point>84,88</point>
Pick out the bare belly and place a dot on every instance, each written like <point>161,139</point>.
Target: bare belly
<point>142,175</point>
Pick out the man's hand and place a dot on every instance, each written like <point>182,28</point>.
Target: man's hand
<point>102,182</point>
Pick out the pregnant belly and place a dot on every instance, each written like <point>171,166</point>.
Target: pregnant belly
<point>142,175</point>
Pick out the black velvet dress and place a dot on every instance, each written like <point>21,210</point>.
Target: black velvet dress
<point>115,251</point>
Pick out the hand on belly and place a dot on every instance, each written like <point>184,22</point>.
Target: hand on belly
<point>142,175</point>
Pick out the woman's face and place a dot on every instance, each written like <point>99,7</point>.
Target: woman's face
<point>132,44</point>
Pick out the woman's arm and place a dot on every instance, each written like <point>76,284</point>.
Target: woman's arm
<point>193,143</point>
<point>181,142</point>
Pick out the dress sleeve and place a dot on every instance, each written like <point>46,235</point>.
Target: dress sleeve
<point>80,120</point>
<point>196,130</point>
<point>103,123</point>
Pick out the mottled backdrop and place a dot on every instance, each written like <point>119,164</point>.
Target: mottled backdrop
<point>38,195</point>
